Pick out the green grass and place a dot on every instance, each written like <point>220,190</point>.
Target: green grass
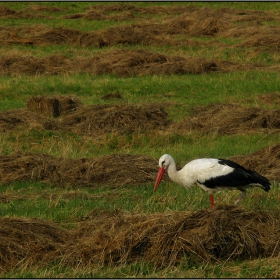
<point>182,93</point>
<point>187,90</point>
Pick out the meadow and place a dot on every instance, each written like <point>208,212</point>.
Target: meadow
<point>192,79</point>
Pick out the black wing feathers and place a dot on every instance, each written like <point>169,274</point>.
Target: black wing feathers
<point>240,176</point>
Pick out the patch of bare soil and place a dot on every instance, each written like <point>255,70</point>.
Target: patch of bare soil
<point>115,170</point>
<point>230,119</point>
<point>162,239</point>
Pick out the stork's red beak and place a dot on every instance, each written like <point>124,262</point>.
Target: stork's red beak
<point>160,174</point>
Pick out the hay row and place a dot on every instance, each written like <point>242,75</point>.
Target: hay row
<point>126,118</point>
<point>124,11</point>
<point>24,119</point>
<point>89,120</point>
<point>114,237</point>
<point>98,119</point>
<point>25,242</point>
<point>229,119</point>
<point>115,170</point>
<point>190,21</point>
<point>263,36</point>
<point>53,106</point>
<point>122,63</point>
<point>31,12</point>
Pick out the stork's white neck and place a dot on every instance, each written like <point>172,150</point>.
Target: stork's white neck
<point>183,177</point>
<point>173,174</point>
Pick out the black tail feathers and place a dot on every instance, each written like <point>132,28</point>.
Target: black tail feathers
<point>262,181</point>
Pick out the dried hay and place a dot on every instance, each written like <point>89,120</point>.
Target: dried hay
<point>6,12</point>
<point>271,98</point>
<point>163,239</point>
<point>43,8</point>
<point>96,119</point>
<point>111,238</point>
<point>232,15</point>
<point>272,41</point>
<point>226,233</point>
<point>265,161</point>
<point>127,63</point>
<point>191,21</point>
<point>230,119</point>
<point>53,106</point>
<point>250,31</point>
<point>203,22</point>
<point>57,36</point>
<point>23,118</point>
<point>126,35</point>
<point>25,242</point>
<point>14,64</point>
<point>121,63</point>
<point>121,7</point>
<point>123,11</point>
<point>115,170</point>
<point>88,120</point>
<point>52,197</point>
<point>113,95</point>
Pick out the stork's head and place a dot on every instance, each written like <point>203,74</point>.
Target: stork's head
<point>163,163</point>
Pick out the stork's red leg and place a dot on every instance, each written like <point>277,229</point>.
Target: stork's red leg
<point>212,201</point>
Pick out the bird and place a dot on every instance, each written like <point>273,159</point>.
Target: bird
<point>212,175</point>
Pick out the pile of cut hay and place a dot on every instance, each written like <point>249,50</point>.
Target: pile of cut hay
<point>115,170</point>
<point>53,106</point>
<point>125,118</point>
<point>88,120</point>
<point>230,119</point>
<point>26,242</point>
<point>113,238</point>
<point>24,119</point>
<point>227,233</point>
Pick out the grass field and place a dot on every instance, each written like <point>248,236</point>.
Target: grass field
<point>155,71</point>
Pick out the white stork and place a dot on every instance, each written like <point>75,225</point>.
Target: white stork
<point>213,175</point>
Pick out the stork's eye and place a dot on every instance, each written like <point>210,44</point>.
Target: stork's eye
<point>163,163</point>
